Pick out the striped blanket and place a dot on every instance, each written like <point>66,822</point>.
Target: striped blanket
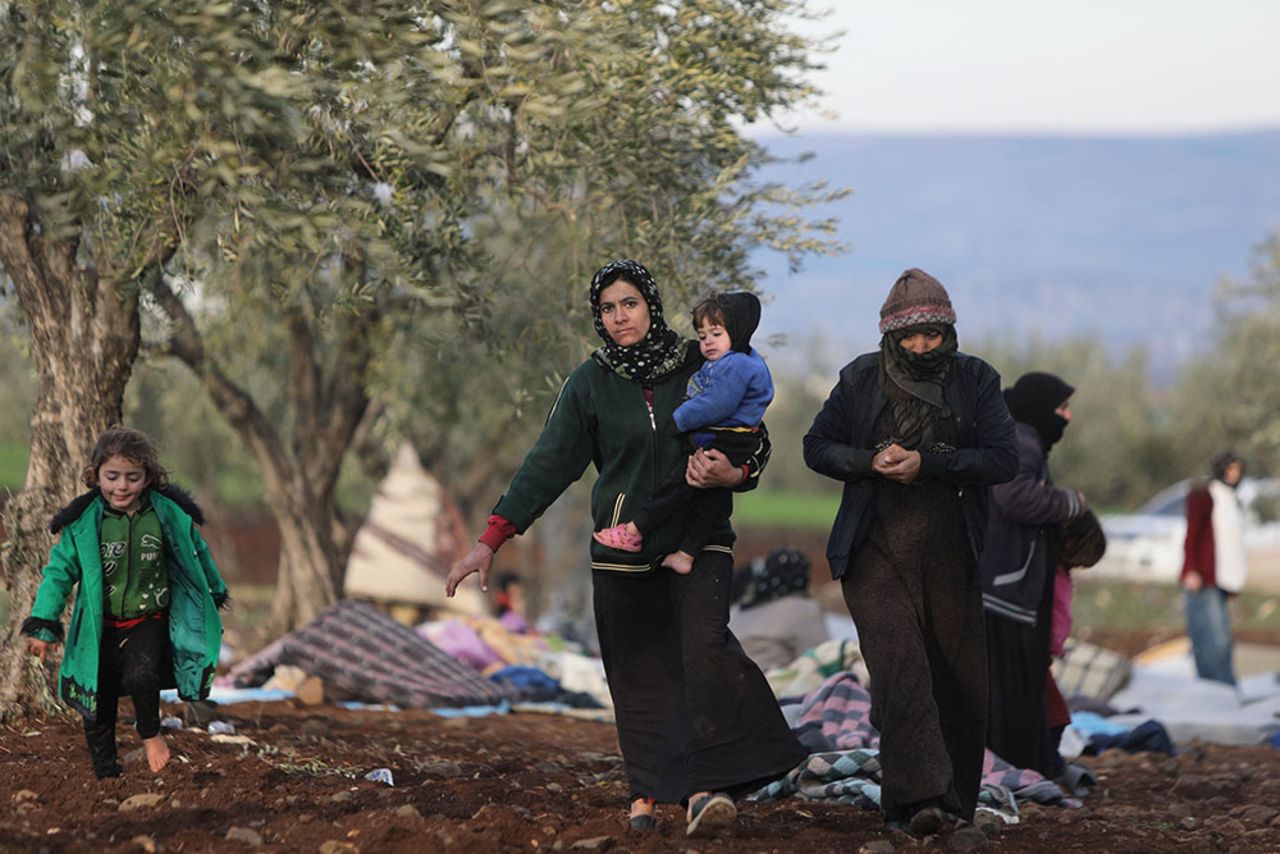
<point>362,653</point>
<point>844,765</point>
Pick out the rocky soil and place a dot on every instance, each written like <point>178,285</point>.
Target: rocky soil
<point>291,778</point>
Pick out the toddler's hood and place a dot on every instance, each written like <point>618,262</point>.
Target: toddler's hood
<point>741,317</point>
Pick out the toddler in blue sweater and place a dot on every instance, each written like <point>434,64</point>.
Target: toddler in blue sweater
<point>724,405</point>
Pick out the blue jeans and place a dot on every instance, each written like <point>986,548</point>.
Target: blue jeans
<point>1209,625</point>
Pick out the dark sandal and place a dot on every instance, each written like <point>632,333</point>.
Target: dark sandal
<point>115,769</point>
<point>927,822</point>
<point>711,813</point>
<point>643,822</point>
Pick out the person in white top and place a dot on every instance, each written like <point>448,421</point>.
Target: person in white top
<point>1214,566</point>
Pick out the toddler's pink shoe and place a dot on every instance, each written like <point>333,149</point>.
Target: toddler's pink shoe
<point>620,537</point>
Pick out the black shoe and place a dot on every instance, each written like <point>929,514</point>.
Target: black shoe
<point>927,822</point>
<point>112,770</point>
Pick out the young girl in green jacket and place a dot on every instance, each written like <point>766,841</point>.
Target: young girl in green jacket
<point>146,613</point>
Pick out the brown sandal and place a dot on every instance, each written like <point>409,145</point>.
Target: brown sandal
<point>643,822</point>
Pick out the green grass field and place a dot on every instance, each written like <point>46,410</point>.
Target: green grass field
<point>766,509</point>
<point>239,485</point>
<point>1108,604</point>
<point>13,465</point>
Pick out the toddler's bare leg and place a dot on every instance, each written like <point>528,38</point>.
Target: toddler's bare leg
<point>681,562</point>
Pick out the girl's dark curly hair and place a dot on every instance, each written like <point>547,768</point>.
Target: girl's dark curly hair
<point>133,445</point>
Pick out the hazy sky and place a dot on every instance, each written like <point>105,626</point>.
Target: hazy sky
<point>1074,66</point>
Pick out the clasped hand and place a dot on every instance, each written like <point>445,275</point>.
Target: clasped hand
<point>709,468</point>
<point>897,463</point>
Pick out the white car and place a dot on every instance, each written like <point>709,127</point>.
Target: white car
<point>1147,545</point>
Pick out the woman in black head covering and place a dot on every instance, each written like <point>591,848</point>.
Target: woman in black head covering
<point>1018,565</point>
<point>696,719</point>
<point>917,432</point>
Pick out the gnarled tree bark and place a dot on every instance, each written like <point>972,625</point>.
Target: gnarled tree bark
<point>84,340</point>
<point>300,471</point>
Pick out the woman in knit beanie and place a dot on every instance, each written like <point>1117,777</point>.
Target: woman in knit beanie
<point>917,432</point>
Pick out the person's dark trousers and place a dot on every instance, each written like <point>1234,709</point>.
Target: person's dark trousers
<point>706,509</point>
<point>131,663</point>
<point>1058,716</point>
<point>694,713</point>
<point>921,631</point>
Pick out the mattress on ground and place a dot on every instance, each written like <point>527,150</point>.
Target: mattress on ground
<point>363,653</point>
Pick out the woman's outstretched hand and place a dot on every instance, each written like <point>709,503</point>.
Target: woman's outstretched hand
<point>479,559</point>
<point>897,463</point>
<point>709,468</point>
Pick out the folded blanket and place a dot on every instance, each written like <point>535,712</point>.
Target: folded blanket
<point>834,723</point>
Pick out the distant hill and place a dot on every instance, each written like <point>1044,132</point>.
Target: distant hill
<point>1125,237</point>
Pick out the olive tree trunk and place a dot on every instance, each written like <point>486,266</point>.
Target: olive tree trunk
<point>84,340</point>
<point>300,466</point>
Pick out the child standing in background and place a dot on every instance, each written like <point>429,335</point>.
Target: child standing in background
<point>146,612</point>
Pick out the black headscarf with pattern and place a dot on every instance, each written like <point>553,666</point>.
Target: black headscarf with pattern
<point>662,350</point>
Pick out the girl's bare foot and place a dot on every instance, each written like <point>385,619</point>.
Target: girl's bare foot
<point>157,752</point>
<point>681,562</point>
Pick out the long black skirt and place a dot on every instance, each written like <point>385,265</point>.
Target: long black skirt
<point>1018,662</point>
<point>913,593</point>
<point>694,712</point>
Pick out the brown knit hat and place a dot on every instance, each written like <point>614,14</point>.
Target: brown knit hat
<point>916,298</point>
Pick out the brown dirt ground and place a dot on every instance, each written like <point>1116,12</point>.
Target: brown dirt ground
<point>532,782</point>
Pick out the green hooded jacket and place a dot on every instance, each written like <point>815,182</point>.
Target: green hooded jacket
<point>603,419</point>
<point>197,591</point>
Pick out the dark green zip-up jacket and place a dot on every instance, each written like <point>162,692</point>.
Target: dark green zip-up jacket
<point>196,590</point>
<point>601,418</point>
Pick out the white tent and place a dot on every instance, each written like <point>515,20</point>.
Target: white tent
<point>412,536</point>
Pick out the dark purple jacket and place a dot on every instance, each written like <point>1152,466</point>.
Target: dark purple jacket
<point>1016,564</point>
